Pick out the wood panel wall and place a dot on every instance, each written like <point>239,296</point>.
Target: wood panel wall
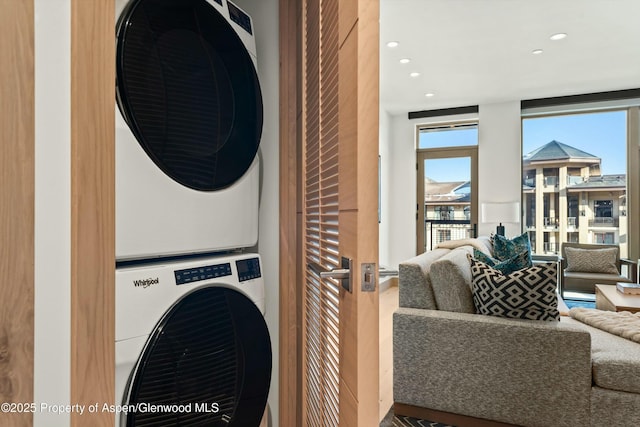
<point>92,209</point>
<point>17,189</point>
<point>290,216</point>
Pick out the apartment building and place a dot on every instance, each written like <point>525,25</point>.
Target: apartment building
<point>566,198</point>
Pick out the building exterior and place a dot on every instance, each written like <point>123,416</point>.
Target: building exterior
<point>447,212</point>
<point>565,199</point>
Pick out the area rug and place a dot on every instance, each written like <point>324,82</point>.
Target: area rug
<point>390,420</point>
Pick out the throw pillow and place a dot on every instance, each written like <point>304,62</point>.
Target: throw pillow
<point>529,293</point>
<point>504,248</point>
<point>592,260</point>
<point>516,262</point>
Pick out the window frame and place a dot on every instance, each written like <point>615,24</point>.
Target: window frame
<point>596,103</point>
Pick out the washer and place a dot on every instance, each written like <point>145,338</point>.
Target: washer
<point>192,346</point>
<point>188,128</point>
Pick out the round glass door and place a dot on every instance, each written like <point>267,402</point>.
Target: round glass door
<point>207,363</point>
<point>188,90</point>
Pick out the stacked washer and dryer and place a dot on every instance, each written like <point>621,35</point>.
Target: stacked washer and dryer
<point>192,346</point>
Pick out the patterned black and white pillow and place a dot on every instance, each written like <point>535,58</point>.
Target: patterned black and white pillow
<point>529,293</point>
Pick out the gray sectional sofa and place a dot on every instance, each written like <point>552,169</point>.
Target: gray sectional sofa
<point>450,362</point>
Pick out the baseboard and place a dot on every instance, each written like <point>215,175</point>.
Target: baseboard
<point>445,417</point>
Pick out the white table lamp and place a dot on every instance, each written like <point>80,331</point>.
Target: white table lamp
<point>503,212</point>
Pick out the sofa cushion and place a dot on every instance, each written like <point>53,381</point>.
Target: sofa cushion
<point>595,277</point>
<point>516,262</point>
<point>529,293</point>
<point>615,360</point>
<point>592,260</point>
<point>504,248</point>
<point>451,281</point>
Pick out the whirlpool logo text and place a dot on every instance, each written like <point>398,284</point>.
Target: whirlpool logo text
<point>145,283</point>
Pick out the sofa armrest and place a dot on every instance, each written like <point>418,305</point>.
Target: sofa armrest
<point>515,371</point>
<point>451,281</point>
<point>414,282</point>
<point>632,268</point>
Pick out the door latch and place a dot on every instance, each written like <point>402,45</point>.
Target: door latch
<point>369,276</point>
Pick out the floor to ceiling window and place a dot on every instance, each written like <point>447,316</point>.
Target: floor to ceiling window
<point>574,169</point>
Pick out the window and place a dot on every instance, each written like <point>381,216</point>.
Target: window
<point>605,238</point>
<point>444,235</point>
<point>448,135</point>
<point>574,167</point>
<point>603,208</point>
<point>444,213</point>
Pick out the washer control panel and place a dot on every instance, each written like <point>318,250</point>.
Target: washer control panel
<point>239,17</point>
<point>248,269</point>
<point>190,275</point>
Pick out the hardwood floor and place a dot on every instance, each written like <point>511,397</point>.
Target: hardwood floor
<point>388,304</point>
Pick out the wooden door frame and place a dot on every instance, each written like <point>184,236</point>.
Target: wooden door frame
<point>92,214</point>
<point>290,205</point>
<point>92,209</point>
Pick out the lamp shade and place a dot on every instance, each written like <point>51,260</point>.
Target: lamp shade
<point>500,212</point>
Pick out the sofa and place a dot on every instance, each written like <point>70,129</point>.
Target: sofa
<point>454,366</point>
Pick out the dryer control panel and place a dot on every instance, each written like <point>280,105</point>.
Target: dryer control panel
<point>190,275</point>
<point>248,269</point>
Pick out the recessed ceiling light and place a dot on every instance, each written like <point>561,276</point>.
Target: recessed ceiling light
<point>536,51</point>
<point>405,60</point>
<point>392,44</point>
<point>414,74</point>
<point>558,36</point>
<point>428,95</point>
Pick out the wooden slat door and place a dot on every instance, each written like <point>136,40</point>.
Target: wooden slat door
<point>336,155</point>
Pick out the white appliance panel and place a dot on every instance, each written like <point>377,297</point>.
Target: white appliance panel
<point>145,294</point>
<point>140,305</point>
<point>156,216</point>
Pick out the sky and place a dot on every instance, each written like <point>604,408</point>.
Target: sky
<point>601,134</point>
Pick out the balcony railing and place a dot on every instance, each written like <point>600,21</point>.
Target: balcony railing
<point>572,222</point>
<point>551,247</point>
<point>604,221</point>
<point>443,216</point>
<point>573,180</point>
<point>551,222</point>
<point>437,232</point>
<point>550,181</point>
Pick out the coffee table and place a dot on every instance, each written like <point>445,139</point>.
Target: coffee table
<point>608,298</point>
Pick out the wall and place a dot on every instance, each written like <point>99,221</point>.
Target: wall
<point>386,139</point>
<point>52,341</point>
<point>499,141</point>
<point>499,159</point>
<point>265,20</point>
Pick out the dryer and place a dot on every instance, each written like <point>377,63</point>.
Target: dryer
<point>192,346</point>
<point>188,128</point>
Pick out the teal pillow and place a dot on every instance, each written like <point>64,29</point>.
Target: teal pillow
<point>504,249</point>
<point>515,263</point>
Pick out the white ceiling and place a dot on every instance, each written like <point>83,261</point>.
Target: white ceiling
<point>472,52</point>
